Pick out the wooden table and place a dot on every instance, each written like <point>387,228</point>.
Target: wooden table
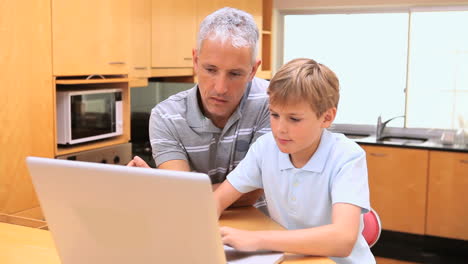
<point>250,218</point>
<point>25,245</point>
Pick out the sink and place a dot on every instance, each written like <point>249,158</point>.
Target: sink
<point>404,140</point>
<point>356,136</point>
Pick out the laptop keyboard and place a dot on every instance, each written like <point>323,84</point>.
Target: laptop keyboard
<point>234,256</point>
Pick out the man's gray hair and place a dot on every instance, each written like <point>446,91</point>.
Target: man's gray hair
<point>230,24</point>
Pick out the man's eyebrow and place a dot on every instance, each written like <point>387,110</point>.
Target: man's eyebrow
<point>209,65</point>
<point>237,69</point>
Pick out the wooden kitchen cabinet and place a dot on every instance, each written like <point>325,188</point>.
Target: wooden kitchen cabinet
<point>266,40</point>
<point>174,30</point>
<point>447,205</point>
<point>27,98</point>
<point>140,36</point>
<point>253,7</point>
<point>90,37</point>
<point>398,186</point>
<point>261,10</point>
<point>173,36</point>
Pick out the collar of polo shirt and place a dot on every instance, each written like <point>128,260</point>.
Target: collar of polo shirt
<point>318,160</point>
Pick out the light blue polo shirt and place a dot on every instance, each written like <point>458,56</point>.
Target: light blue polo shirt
<point>299,198</point>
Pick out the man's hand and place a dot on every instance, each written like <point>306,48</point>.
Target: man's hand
<point>138,162</point>
<point>240,239</point>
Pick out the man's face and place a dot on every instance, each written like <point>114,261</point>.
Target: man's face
<point>223,72</point>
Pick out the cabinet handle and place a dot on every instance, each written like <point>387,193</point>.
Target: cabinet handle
<point>117,62</point>
<point>378,154</point>
<point>464,161</point>
<point>187,58</point>
<point>140,68</point>
<point>95,75</point>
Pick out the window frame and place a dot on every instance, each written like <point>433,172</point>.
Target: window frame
<point>279,17</point>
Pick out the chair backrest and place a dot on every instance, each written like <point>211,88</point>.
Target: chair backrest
<point>372,227</point>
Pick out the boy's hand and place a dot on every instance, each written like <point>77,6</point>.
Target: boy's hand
<point>240,239</point>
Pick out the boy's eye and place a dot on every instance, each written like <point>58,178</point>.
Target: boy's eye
<point>295,119</point>
<point>275,115</point>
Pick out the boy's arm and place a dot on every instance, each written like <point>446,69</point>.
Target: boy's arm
<point>248,199</point>
<point>225,195</point>
<point>333,240</point>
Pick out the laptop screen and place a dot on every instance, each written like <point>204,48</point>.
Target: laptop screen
<point>100,213</point>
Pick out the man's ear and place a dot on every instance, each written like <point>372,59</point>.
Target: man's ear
<point>328,117</point>
<point>257,64</point>
<point>195,59</point>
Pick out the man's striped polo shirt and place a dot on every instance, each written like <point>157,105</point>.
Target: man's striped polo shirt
<point>179,131</point>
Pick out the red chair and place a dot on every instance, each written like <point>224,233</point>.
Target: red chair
<point>372,227</point>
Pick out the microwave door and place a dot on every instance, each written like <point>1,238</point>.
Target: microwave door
<point>92,116</point>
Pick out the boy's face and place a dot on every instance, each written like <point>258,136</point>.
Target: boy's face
<point>297,130</point>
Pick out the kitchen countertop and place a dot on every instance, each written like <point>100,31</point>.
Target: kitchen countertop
<point>431,144</point>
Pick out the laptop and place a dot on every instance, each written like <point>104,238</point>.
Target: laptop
<point>103,214</point>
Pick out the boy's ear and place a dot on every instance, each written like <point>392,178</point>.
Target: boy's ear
<point>328,117</point>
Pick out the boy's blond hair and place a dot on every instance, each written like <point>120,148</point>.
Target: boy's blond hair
<point>305,80</point>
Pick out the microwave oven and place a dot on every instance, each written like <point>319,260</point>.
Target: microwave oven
<point>88,115</point>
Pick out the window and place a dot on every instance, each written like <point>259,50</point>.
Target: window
<point>438,72</point>
<point>412,63</point>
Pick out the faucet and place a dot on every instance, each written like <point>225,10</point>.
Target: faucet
<point>381,126</point>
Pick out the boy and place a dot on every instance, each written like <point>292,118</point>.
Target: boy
<point>315,181</point>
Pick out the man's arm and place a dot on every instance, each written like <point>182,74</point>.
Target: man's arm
<point>180,165</point>
<point>334,240</point>
<point>244,200</point>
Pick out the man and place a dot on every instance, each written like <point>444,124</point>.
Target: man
<point>210,127</point>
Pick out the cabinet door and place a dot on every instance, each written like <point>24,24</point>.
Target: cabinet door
<point>140,32</point>
<point>26,101</point>
<point>397,182</point>
<point>90,37</point>
<point>447,210</point>
<point>173,33</point>
<point>253,7</point>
